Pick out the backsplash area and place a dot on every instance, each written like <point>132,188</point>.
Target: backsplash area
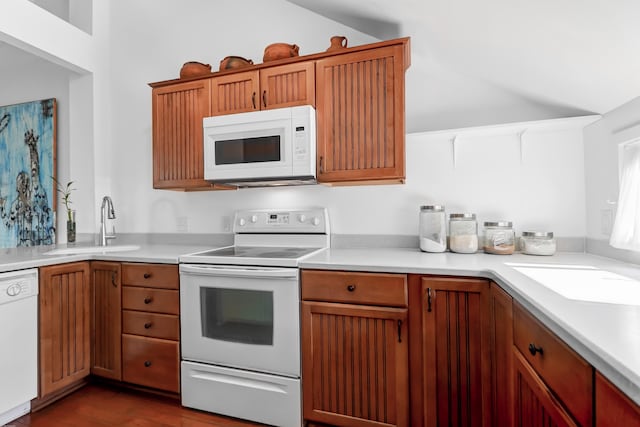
<point>529,173</point>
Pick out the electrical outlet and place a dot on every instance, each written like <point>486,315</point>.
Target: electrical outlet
<point>226,224</point>
<point>182,224</point>
<point>606,221</point>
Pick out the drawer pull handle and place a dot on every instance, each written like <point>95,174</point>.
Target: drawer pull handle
<point>264,98</point>
<point>147,363</point>
<point>148,300</point>
<point>253,100</point>
<point>148,325</point>
<point>533,349</point>
<point>113,279</point>
<point>146,275</point>
<point>351,288</point>
<point>399,330</point>
<point>429,300</point>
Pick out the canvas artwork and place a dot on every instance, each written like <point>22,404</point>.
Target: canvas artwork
<point>27,163</point>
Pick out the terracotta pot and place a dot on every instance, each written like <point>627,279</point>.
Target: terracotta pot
<point>279,51</point>
<point>337,43</point>
<point>233,62</point>
<point>194,69</point>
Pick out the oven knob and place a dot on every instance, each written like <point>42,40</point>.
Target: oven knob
<point>315,220</point>
<point>242,222</point>
<point>254,218</point>
<point>302,218</point>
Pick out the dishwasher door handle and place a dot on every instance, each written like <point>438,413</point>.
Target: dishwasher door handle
<point>212,270</point>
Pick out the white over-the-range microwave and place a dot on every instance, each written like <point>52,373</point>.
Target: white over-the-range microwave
<point>258,148</point>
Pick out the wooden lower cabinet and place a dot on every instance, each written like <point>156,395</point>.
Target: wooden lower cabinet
<point>501,339</point>
<point>151,362</point>
<point>355,364</point>
<point>106,320</point>
<point>535,403</point>
<point>613,408</point>
<point>64,325</point>
<point>454,361</point>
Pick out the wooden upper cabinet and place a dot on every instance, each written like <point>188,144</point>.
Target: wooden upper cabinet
<point>360,115</point>
<point>178,111</point>
<point>65,335</point>
<point>106,325</point>
<point>275,87</point>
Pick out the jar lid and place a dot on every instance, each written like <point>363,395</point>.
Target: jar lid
<point>547,234</point>
<point>435,208</point>
<point>462,216</point>
<point>508,224</point>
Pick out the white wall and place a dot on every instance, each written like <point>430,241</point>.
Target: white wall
<point>601,140</point>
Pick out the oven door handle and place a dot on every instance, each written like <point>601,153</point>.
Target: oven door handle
<point>212,270</point>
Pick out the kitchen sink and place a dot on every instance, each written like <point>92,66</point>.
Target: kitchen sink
<point>91,249</point>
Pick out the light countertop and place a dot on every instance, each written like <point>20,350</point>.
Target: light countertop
<point>590,302</point>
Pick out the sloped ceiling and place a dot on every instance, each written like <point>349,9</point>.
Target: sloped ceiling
<point>482,62</point>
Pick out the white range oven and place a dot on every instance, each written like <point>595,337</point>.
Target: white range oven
<point>240,317</point>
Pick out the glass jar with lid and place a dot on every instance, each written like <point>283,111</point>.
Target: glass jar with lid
<point>538,243</point>
<point>463,233</point>
<point>499,238</point>
<point>433,228</point>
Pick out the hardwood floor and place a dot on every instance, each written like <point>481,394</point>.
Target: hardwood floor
<point>100,405</point>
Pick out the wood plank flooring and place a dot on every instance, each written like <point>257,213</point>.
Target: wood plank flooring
<point>101,405</point>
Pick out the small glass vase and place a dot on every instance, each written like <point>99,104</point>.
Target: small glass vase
<point>71,226</point>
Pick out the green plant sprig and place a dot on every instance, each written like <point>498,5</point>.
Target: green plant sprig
<point>65,194</point>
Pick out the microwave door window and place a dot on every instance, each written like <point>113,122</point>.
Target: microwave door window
<point>248,150</point>
<point>233,315</point>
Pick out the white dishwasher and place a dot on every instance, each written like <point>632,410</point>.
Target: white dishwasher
<point>18,343</point>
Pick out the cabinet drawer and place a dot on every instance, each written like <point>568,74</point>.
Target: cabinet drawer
<point>563,370</point>
<point>355,288</point>
<point>155,325</point>
<point>149,299</point>
<point>164,276</point>
<point>151,362</point>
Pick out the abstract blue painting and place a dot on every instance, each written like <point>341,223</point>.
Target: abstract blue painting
<point>27,163</point>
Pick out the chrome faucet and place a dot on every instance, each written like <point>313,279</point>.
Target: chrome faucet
<point>106,208</point>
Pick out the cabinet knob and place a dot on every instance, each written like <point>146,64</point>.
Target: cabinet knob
<point>533,349</point>
<point>146,275</point>
<point>147,363</point>
<point>351,288</point>
<point>148,325</point>
<point>148,300</point>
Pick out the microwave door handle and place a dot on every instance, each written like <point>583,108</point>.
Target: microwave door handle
<point>210,270</point>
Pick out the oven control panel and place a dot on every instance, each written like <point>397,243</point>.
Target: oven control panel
<point>312,220</point>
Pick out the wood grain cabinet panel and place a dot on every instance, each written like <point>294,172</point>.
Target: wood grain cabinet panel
<point>235,93</point>
<point>164,276</point>
<point>151,300</point>
<point>155,325</point>
<point>535,403</point>
<point>288,85</point>
<point>151,362</point>
<point>613,408</point>
<point>106,324</point>
<point>501,334</point>
<point>562,370</point>
<point>360,115</point>
<point>456,352</point>
<point>178,151</point>
<point>355,367</point>
<point>64,326</point>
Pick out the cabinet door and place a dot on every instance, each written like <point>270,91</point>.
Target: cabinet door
<point>613,408</point>
<point>456,352</point>
<point>106,295</point>
<point>535,404</point>
<point>235,93</point>
<point>360,116</point>
<point>178,110</point>
<point>65,333</point>
<point>501,334</point>
<point>288,85</point>
<point>354,361</point>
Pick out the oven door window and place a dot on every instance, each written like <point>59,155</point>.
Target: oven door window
<point>248,150</point>
<point>237,315</point>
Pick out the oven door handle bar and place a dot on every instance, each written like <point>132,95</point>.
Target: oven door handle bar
<point>211,270</point>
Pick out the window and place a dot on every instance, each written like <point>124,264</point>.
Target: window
<point>626,228</point>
